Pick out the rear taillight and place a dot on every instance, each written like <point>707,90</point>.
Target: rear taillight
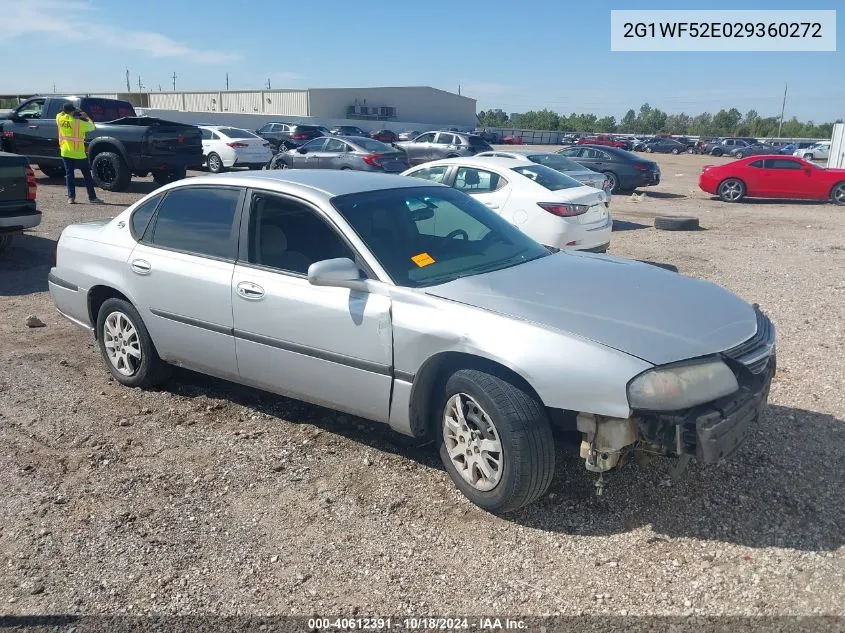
<point>31,186</point>
<point>372,159</point>
<point>564,209</point>
<point>641,166</point>
<point>300,137</point>
<point>237,145</point>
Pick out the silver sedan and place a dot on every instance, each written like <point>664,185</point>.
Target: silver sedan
<point>414,305</point>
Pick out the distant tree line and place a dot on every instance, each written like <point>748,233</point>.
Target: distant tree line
<point>654,121</point>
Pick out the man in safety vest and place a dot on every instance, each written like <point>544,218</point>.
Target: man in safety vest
<point>73,124</point>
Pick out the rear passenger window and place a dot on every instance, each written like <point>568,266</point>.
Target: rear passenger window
<point>141,217</point>
<point>197,220</point>
<point>757,163</point>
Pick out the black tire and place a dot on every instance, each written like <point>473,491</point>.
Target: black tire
<point>215,163</point>
<point>169,175</point>
<point>690,150</point>
<point>110,172</point>
<point>5,240</point>
<point>520,421</point>
<point>731,190</point>
<point>809,157</point>
<point>676,223</point>
<point>739,155</point>
<point>614,179</point>
<point>837,194</point>
<point>152,370</point>
<point>676,151</point>
<point>52,172</point>
<point>648,149</point>
<point>716,152</point>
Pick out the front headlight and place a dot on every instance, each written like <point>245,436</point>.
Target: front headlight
<point>681,386</point>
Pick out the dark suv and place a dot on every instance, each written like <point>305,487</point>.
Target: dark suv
<point>437,145</point>
<point>726,144</point>
<point>287,135</point>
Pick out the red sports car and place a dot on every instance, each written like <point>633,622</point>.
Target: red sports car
<point>773,176</point>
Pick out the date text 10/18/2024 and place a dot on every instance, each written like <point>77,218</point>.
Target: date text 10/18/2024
<point>417,624</point>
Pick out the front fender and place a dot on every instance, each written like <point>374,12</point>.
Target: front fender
<point>566,371</point>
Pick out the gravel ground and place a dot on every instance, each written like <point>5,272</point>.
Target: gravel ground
<point>205,497</point>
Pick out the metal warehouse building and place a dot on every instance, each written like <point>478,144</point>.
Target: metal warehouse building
<point>368,107</point>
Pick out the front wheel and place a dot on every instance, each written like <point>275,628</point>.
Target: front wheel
<point>809,157</point>
<point>837,195</point>
<point>126,346</point>
<point>740,155</point>
<point>676,151</point>
<point>691,150</point>
<point>649,150</point>
<point>495,441</point>
<point>110,172</point>
<point>732,190</point>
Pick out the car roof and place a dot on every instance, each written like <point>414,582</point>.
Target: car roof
<point>330,182</point>
<point>475,161</point>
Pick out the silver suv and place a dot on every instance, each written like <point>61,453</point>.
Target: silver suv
<point>437,145</point>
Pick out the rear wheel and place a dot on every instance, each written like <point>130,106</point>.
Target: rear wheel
<point>716,152</point>
<point>612,181</point>
<point>495,441</point>
<point>52,171</point>
<point>837,195</point>
<point>215,163</point>
<point>809,157</point>
<point>732,190</point>
<point>126,346</point>
<point>676,151</point>
<point>110,172</point>
<point>690,150</point>
<point>649,149</point>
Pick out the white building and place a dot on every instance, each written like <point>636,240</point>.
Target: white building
<point>397,108</point>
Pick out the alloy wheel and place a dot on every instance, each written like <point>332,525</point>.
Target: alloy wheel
<point>731,190</point>
<point>123,347</point>
<point>839,194</point>
<point>106,171</point>
<point>472,442</point>
<point>214,163</point>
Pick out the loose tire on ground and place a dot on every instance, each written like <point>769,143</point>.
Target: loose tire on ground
<point>110,172</point>
<point>676,223</point>
<point>151,370</point>
<point>526,460</point>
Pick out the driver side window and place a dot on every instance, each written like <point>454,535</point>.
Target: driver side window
<point>425,138</point>
<point>32,109</point>
<point>313,146</point>
<point>289,236</point>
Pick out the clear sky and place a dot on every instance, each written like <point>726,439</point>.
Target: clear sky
<point>512,55</point>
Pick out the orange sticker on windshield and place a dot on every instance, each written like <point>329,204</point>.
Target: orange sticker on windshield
<point>423,259</point>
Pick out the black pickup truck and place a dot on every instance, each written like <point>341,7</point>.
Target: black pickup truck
<point>17,197</point>
<point>123,144</point>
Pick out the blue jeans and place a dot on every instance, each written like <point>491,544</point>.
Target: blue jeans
<point>71,165</point>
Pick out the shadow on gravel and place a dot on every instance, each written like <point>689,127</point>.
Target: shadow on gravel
<point>665,195</point>
<point>24,265</point>
<point>753,201</point>
<point>625,225</point>
<point>662,265</point>
<point>782,489</point>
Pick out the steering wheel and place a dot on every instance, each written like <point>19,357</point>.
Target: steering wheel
<point>463,234</point>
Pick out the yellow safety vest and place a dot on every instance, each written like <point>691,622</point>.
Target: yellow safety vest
<point>72,135</point>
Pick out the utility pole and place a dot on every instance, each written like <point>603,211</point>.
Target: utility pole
<point>140,85</point>
<point>128,87</point>
<point>783,108</point>
<point>268,84</point>
<point>174,81</point>
<point>459,90</point>
<point>227,82</point>
<point>54,87</point>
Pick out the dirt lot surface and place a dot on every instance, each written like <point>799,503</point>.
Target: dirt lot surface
<point>207,497</point>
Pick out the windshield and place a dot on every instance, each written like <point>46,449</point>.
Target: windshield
<point>556,161</point>
<point>234,132</point>
<point>547,177</point>
<point>424,236</point>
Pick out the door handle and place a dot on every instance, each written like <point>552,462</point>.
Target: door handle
<point>141,266</point>
<point>32,127</point>
<point>491,205</point>
<point>249,290</point>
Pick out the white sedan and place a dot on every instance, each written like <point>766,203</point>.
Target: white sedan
<point>549,206</point>
<point>225,147</point>
<point>814,152</point>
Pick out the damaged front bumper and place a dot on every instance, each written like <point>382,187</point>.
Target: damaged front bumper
<point>710,432</point>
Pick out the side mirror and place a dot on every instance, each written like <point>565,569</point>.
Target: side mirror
<point>341,272</point>
<point>301,150</point>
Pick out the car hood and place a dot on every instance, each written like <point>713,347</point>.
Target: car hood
<point>635,307</point>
